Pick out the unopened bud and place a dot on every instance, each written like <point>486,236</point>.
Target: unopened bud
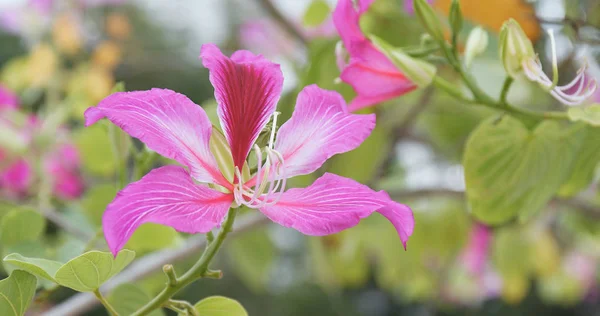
<point>418,71</point>
<point>429,19</point>
<point>456,17</point>
<point>477,42</point>
<point>515,47</point>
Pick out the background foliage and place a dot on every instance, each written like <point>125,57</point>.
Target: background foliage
<point>457,165</point>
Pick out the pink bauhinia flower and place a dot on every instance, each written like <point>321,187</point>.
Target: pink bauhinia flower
<point>247,88</point>
<point>372,75</point>
<point>8,100</point>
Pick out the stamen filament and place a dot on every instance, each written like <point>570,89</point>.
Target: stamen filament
<point>554,59</point>
<point>272,138</point>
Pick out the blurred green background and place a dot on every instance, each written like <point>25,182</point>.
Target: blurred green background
<point>63,61</point>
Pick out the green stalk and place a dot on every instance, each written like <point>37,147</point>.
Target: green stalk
<point>106,304</point>
<point>199,270</point>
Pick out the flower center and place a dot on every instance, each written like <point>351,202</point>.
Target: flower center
<point>270,177</point>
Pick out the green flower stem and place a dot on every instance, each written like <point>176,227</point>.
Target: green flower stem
<point>479,97</point>
<point>182,307</point>
<point>104,302</point>
<point>505,88</point>
<point>199,270</point>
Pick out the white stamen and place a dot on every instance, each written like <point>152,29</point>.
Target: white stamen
<point>532,69</point>
<point>272,138</point>
<point>554,59</point>
<point>270,181</point>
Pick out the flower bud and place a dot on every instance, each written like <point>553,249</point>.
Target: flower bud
<point>429,19</point>
<point>477,42</point>
<point>515,47</point>
<point>419,72</point>
<point>456,17</point>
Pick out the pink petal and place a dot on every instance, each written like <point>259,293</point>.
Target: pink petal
<point>168,122</point>
<point>372,75</point>
<point>346,18</point>
<point>8,100</point>
<point>333,203</point>
<point>16,178</point>
<point>320,127</point>
<point>166,196</point>
<point>247,88</point>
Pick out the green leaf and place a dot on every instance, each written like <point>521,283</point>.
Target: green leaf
<point>589,114</point>
<point>94,145</point>
<point>252,257</point>
<point>585,164</point>
<point>128,298</point>
<point>90,270</point>
<point>16,293</point>
<point>220,306</point>
<point>512,171</point>
<point>150,236</point>
<point>96,199</point>
<point>21,225</point>
<point>316,14</point>
<point>42,268</point>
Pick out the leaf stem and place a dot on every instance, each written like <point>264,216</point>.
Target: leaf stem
<point>106,304</point>
<point>199,270</point>
<point>181,306</point>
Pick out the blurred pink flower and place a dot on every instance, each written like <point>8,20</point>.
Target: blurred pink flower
<point>582,268</point>
<point>475,255</point>
<point>266,37</point>
<point>17,174</point>
<point>63,166</point>
<point>36,15</point>
<point>372,75</point>
<point>247,89</point>
<point>16,177</point>
<point>8,99</point>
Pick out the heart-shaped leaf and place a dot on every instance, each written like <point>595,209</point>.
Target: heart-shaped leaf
<point>16,293</point>
<point>512,171</point>
<point>42,268</point>
<point>220,306</point>
<point>84,273</point>
<point>585,164</point>
<point>90,270</point>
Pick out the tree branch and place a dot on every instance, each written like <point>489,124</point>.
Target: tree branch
<point>152,263</point>
<point>270,8</point>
